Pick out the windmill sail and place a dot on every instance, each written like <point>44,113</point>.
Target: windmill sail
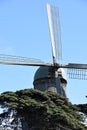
<point>76,71</point>
<point>54,27</point>
<point>18,60</point>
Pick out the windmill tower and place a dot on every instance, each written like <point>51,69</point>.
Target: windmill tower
<point>50,76</point>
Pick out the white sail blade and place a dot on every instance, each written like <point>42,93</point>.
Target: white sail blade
<point>54,26</point>
<point>18,60</point>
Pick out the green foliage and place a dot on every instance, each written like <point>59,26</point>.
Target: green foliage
<point>43,109</point>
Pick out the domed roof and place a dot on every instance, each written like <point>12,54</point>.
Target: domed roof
<point>44,72</point>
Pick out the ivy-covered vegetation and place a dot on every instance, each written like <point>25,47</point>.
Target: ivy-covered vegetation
<point>43,110</point>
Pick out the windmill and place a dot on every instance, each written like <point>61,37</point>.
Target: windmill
<point>50,76</point>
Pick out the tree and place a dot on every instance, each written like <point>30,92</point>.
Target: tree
<point>33,109</point>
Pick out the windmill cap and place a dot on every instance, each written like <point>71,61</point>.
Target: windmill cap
<point>44,72</point>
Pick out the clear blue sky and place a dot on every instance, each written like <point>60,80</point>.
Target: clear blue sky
<point>24,31</point>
